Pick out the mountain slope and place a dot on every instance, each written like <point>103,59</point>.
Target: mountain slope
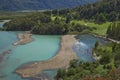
<point>16,5</point>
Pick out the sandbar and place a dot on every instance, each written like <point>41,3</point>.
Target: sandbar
<point>60,60</point>
<point>24,38</point>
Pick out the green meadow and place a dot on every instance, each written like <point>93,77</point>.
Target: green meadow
<point>99,29</point>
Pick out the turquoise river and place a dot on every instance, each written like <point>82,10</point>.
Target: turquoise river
<point>42,48</point>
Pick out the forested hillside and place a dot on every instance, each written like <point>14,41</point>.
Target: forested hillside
<point>49,22</point>
<point>102,11</point>
<point>19,5</point>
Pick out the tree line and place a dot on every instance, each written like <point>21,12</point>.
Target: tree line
<point>99,12</point>
<point>39,23</point>
<point>113,31</point>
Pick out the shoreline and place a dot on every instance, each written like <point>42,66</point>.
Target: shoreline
<point>60,60</point>
<point>23,39</point>
<point>108,39</point>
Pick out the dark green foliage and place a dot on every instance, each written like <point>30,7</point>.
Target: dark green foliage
<point>49,28</point>
<point>41,23</point>
<point>21,24</point>
<point>113,30</point>
<point>114,47</point>
<point>116,52</point>
<point>60,73</point>
<point>37,23</point>
<point>105,59</point>
<point>68,18</point>
<point>80,28</point>
<point>74,63</point>
<point>79,70</point>
<point>45,19</point>
<point>96,44</point>
<point>110,54</point>
<point>99,12</point>
<point>101,18</point>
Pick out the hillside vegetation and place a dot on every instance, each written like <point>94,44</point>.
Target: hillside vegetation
<point>102,11</point>
<point>106,68</point>
<point>95,19</point>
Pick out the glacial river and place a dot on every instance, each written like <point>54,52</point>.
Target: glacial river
<point>42,48</point>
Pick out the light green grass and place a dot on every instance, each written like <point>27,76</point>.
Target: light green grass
<point>53,17</point>
<point>100,28</point>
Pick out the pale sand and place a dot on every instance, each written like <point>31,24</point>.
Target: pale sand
<point>24,39</point>
<point>61,60</point>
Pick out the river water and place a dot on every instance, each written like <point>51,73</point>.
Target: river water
<point>3,22</point>
<point>42,48</point>
<point>83,47</point>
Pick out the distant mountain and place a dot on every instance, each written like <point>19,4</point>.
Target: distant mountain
<point>18,5</point>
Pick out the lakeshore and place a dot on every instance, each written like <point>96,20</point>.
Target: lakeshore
<point>61,60</point>
<point>109,39</point>
<point>23,39</point>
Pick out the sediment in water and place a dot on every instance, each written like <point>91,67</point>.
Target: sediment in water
<point>61,60</point>
<point>24,39</point>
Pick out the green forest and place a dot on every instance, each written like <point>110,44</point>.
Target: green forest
<point>101,11</point>
<point>40,23</point>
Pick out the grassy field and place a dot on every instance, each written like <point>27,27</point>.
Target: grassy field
<point>100,29</point>
<point>53,17</point>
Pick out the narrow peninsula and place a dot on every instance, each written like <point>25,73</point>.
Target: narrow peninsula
<point>61,60</point>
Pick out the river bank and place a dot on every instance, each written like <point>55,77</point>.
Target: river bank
<point>61,60</point>
<point>24,38</point>
<point>108,39</point>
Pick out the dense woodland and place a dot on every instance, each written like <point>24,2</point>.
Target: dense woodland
<point>102,11</point>
<point>40,23</point>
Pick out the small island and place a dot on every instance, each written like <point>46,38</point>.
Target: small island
<point>24,38</point>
